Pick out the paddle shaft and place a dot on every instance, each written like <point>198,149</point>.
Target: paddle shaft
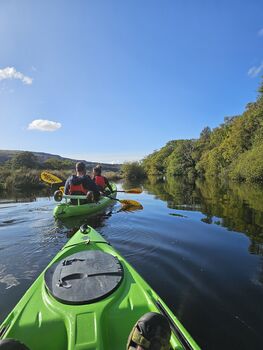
<point>127,191</point>
<point>74,196</point>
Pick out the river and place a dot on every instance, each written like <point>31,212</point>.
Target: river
<point>200,246</point>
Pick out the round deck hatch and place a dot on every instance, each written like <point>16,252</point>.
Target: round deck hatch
<point>84,277</point>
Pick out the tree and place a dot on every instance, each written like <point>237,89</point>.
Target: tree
<point>181,161</point>
<point>155,163</point>
<point>58,164</point>
<point>133,171</point>
<point>205,134</point>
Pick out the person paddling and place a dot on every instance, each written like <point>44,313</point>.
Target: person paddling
<point>101,181</point>
<point>82,184</point>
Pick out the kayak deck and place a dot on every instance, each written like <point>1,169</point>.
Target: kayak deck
<point>65,209</point>
<point>42,322</point>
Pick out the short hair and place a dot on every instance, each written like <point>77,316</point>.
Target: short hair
<point>97,169</point>
<point>80,166</point>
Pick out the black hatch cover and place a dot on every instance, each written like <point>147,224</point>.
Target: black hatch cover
<point>84,277</point>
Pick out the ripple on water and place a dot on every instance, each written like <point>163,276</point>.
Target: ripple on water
<point>12,222</point>
<point>7,278</point>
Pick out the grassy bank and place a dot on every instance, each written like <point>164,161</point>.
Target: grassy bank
<point>24,179</point>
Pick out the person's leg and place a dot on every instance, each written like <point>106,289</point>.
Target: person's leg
<point>151,332</point>
<point>12,344</point>
<point>90,197</point>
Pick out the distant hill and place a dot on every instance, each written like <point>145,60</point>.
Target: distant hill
<point>8,154</point>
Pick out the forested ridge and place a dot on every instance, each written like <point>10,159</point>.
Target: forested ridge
<point>233,150</point>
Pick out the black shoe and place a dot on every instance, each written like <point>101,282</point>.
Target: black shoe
<point>151,332</point>
<point>12,344</point>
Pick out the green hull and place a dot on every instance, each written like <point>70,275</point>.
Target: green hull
<point>42,322</point>
<point>65,210</point>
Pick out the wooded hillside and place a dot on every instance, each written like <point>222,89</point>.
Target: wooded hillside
<point>234,150</point>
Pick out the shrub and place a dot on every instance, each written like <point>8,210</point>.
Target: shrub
<point>249,166</point>
<point>133,171</point>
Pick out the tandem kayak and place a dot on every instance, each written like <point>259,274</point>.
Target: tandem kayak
<point>66,209</point>
<point>88,297</point>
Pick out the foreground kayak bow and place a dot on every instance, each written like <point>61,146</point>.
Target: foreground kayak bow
<point>88,297</point>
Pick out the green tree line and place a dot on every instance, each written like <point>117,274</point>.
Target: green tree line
<point>233,150</point>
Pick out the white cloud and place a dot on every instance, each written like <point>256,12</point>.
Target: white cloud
<point>44,125</point>
<point>260,32</point>
<point>12,73</point>
<point>254,71</point>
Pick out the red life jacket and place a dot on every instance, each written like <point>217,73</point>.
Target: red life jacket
<point>77,189</point>
<point>100,181</point>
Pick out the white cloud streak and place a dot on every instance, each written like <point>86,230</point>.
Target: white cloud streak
<point>254,71</point>
<point>260,32</point>
<point>12,73</point>
<point>44,125</point>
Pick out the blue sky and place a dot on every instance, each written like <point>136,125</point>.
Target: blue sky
<point>119,79</point>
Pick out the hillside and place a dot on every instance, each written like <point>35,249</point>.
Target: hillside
<point>233,150</point>
<point>6,155</point>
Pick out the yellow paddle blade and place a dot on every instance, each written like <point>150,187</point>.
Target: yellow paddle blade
<point>134,190</point>
<point>130,203</point>
<point>49,178</point>
<point>62,188</point>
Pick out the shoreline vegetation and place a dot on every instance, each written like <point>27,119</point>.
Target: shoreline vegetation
<point>232,151</point>
<point>20,174</point>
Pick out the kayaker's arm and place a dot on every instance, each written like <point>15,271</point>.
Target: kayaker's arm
<point>108,184</point>
<point>90,185</point>
<point>67,184</point>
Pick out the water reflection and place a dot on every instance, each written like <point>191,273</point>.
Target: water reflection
<point>238,207</point>
<point>71,224</point>
<point>24,196</point>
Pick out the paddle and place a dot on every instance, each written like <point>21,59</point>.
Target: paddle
<point>125,202</point>
<point>52,179</point>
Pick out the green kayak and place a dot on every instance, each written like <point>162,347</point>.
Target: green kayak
<point>66,209</point>
<point>88,297</point>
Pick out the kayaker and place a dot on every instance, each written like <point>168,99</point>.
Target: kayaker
<point>101,181</point>
<point>82,184</point>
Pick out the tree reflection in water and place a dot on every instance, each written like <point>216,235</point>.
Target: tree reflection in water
<point>238,207</point>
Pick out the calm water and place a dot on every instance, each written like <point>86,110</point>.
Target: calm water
<point>199,246</point>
